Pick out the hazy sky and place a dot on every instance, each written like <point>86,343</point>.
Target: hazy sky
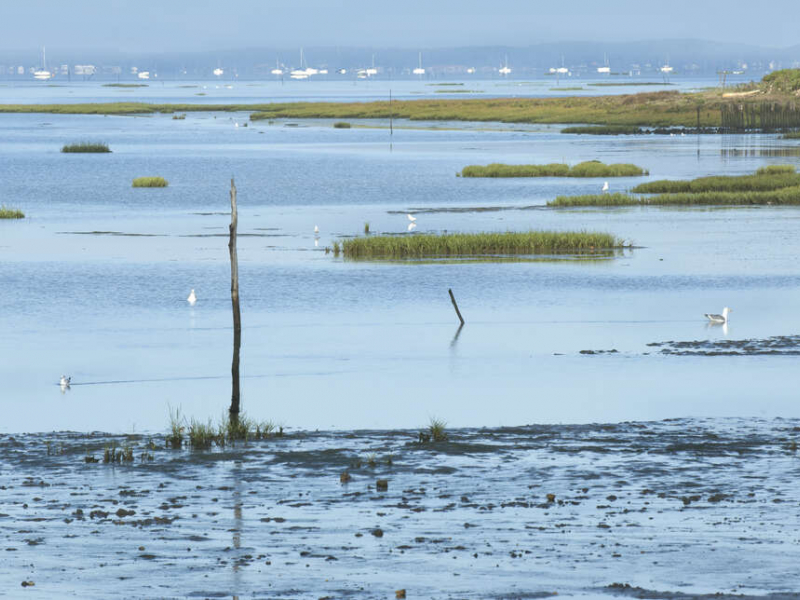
<point>174,25</point>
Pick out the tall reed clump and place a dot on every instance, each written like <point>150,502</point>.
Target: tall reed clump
<point>89,147</point>
<point>436,431</point>
<point>769,178</point>
<point>478,244</point>
<point>591,168</point>
<point>175,436</point>
<point>150,182</point>
<point>201,435</point>
<point>11,213</point>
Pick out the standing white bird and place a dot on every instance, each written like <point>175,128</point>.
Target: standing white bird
<point>316,229</point>
<point>411,218</point>
<point>723,318</point>
<point>64,383</point>
<point>192,297</point>
<point>605,186</point>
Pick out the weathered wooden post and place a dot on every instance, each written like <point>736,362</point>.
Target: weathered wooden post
<point>237,316</point>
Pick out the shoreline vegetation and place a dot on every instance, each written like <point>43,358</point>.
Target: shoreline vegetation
<point>150,182</point>
<point>591,168</point>
<point>86,147</point>
<point>774,185</point>
<point>768,105</point>
<point>11,213</point>
<point>476,244</point>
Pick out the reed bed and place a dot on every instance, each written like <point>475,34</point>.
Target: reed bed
<point>89,147</point>
<point>11,213</point>
<point>789,196</point>
<point>791,135</point>
<point>478,244</point>
<point>342,125</point>
<point>773,177</point>
<point>590,168</point>
<point>150,182</point>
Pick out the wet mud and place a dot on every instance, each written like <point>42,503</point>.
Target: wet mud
<point>672,509</point>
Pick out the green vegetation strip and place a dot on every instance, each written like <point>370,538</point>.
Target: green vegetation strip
<point>605,130</point>
<point>125,85</point>
<point>478,244</point>
<point>341,125</point>
<point>11,213</point>
<point>590,168</point>
<point>782,197</point>
<point>150,182</point>
<point>791,135</point>
<point>773,177</point>
<point>91,147</point>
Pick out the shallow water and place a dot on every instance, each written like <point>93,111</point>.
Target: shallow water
<point>93,282</point>
<point>677,508</point>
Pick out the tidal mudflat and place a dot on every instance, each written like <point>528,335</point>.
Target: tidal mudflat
<point>672,509</point>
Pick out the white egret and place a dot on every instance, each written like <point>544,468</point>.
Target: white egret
<point>316,229</point>
<point>411,218</point>
<point>192,297</point>
<point>605,186</point>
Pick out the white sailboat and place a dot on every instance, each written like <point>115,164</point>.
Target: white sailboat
<point>277,70</point>
<point>504,70</point>
<point>218,72</point>
<point>43,74</point>
<point>419,70</point>
<point>605,69</point>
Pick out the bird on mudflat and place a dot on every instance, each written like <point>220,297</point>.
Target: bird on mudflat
<point>192,297</point>
<point>723,318</point>
<point>605,186</point>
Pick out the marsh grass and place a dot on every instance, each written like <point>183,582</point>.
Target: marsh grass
<point>781,197</point>
<point>590,168</point>
<point>436,431</point>
<point>150,182</point>
<point>341,125</point>
<point>86,147</point>
<point>477,244</point>
<point>768,178</point>
<point>791,135</point>
<point>125,85</point>
<point>366,228</point>
<point>201,435</point>
<point>180,117</point>
<point>11,213</point>
<point>175,436</point>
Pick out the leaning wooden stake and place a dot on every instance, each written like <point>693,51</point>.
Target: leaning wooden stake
<point>237,316</point>
<point>453,300</point>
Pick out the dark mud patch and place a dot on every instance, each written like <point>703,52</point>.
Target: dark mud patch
<point>781,345</point>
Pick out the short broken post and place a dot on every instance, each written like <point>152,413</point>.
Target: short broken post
<point>453,300</point>
<point>237,317</point>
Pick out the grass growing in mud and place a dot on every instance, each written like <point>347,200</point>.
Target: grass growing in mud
<point>769,178</point>
<point>781,197</point>
<point>592,168</point>
<point>11,213</point>
<point>89,147</point>
<point>436,431</point>
<point>477,244</point>
<point>150,182</point>
<point>202,436</point>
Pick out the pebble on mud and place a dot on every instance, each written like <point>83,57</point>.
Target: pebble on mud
<point>551,497</point>
<point>30,584</point>
<point>382,485</point>
<point>345,477</point>
<point>377,532</point>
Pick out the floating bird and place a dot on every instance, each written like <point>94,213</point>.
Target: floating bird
<point>723,318</point>
<point>192,298</point>
<point>605,186</point>
<point>316,229</point>
<point>64,383</point>
<point>411,218</point>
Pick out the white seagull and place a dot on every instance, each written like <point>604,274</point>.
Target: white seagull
<point>723,318</point>
<point>605,186</point>
<point>411,218</point>
<point>64,383</point>
<point>192,298</point>
<point>316,229</point>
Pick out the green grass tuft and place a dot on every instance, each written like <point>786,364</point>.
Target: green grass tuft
<point>590,168</point>
<point>201,435</point>
<point>341,125</point>
<point>175,436</point>
<point>477,244</point>
<point>11,213</point>
<point>150,182</point>
<point>91,147</point>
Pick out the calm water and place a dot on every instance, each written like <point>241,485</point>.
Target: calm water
<point>93,282</point>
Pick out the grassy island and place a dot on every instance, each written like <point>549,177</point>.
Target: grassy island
<point>591,168</point>
<point>773,185</point>
<point>150,182</point>
<point>90,147</point>
<point>477,244</point>
<point>11,213</point>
